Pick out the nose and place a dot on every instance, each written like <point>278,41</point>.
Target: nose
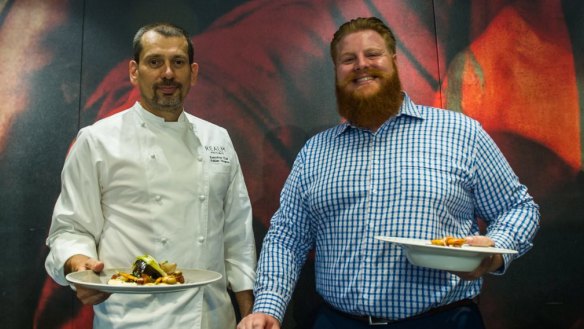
<point>360,63</point>
<point>168,71</point>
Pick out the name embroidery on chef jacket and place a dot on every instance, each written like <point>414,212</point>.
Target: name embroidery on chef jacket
<point>217,154</point>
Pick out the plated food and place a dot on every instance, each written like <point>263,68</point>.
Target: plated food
<point>194,278</point>
<point>463,258</point>
<point>448,241</point>
<point>146,270</point>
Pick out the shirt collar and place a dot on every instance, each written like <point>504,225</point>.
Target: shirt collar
<point>151,118</point>
<point>407,108</point>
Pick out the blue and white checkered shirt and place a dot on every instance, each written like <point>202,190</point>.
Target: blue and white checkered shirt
<point>424,173</point>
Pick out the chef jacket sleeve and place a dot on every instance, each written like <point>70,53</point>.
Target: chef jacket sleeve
<point>77,218</point>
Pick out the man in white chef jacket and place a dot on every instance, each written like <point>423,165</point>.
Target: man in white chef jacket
<point>156,180</point>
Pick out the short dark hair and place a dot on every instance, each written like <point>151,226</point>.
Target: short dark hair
<point>361,24</point>
<point>167,30</point>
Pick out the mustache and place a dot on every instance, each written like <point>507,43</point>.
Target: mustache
<point>167,83</point>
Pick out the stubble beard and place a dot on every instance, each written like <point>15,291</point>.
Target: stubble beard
<point>371,111</point>
<point>172,103</point>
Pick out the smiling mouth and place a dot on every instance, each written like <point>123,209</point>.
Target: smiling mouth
<point>364,80</point>
<point>168,89</point>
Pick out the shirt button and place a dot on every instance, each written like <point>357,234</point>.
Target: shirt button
<point>200,158</point>
<point>164,240</point>
<point>158,198</point>
<point>153,156</point>
<point>201,239</point>
<point>143,125</point>
<point>202,197</point>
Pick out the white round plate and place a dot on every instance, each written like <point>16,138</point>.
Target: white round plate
<point>423,253</point>
<point>89,279</point>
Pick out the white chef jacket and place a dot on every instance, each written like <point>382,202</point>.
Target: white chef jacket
<point>133,184</point>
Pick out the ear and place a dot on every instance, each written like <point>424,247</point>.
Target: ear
<point>133,71</point>
<point>194,73</point>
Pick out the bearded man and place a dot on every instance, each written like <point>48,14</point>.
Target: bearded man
<point>393,169</point>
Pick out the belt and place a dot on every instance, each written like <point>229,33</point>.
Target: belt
<point>373,321</point>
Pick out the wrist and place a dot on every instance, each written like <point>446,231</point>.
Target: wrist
<point>496,263</point>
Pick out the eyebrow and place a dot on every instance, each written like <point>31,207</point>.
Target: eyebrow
<point>155,55</point>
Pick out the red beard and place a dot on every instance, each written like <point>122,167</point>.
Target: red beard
<point>373,110</point>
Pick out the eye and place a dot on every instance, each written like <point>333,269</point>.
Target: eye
<point>374,54</point>
<point>179,62</point>
<point>347,59</point>
<point>154,62</point>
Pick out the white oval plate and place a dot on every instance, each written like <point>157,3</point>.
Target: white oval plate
<point>89,279</point>
<point>423,253</point>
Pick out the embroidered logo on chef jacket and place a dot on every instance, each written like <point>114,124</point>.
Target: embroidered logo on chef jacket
<point>217,154</point>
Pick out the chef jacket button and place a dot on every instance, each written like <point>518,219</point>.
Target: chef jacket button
<point>201,239</point>
<point>158,198</point>
<point>143,125</point>
<point>153,156</point>
<point>200,158</point>
<point>164,240</point>
<point>202,197</point>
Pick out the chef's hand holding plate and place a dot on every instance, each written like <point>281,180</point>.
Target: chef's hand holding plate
<point>78,263</point>
<point>489,264</point>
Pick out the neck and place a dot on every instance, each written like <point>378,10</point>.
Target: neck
<point>168,114</point>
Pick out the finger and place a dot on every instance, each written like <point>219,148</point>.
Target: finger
<point>249,325</point>
<point>480,241</point>
<point>96,299</point>
<point>90,296</point>
<point>94,265</point>
<point>256,321</point>
<point>477,272</point>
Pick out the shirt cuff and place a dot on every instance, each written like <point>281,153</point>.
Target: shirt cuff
<point>270,303</point>
<point>503,241</point>
<point>62,249</point>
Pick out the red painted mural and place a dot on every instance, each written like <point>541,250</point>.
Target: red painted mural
<point>266,75</point>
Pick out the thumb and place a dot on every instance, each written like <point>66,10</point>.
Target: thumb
<point>94,265</point>
<point>479,241</point>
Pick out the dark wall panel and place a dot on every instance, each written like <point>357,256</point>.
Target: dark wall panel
<point>40,74</point>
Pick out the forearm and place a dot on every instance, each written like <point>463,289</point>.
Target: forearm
<point>516,228</point>
<point>278,271</point>
<point>502,201</point>
<point>244,302</point>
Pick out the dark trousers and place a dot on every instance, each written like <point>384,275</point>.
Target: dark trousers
<point>463,317</point>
